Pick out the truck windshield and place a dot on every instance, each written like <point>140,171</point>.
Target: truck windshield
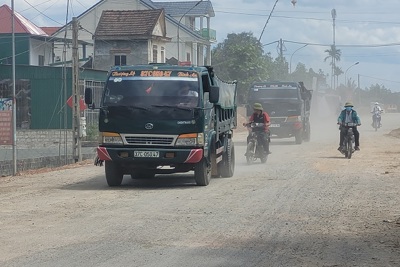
<point>151,92</point>
<point>270,93</point>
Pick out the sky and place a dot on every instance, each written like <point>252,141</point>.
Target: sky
<point>366,31</point>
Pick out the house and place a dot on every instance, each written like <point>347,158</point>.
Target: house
<point>191,37</point>
<point>33,46</point>
<point>128,37</point>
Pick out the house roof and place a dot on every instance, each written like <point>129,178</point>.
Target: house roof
<point>203,8</point>
<point>128,23</point>
<point>149,4</point>
<point>50,30</point>
<point>21,24</point>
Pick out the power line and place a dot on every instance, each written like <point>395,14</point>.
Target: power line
<point>380,79</point>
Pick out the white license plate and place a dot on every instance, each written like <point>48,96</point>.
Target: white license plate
<point>275,125</point>
<point>146,154</point>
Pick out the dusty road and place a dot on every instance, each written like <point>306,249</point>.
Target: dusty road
<point>308,206</point>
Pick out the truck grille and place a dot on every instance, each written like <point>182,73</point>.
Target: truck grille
<point>149,140</point>
<point>278,119</point>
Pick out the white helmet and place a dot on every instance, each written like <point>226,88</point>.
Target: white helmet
<point>376,103</point>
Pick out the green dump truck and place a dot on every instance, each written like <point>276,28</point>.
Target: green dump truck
<point>164,119</point>
<point>288,105</point>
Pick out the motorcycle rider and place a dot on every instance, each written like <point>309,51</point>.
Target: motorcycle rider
<point>349,115</point>
<point>376,109</point>
<point>260,116</point>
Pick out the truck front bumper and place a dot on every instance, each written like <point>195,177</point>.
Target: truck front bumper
<point>158,156</point>
<point>287,129</point>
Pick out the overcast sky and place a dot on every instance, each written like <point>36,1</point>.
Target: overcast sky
<point>367,31</point>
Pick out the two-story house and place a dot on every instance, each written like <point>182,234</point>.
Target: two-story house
<point>191,37</point>
<point>128,37</point>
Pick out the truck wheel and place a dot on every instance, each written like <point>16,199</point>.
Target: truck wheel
<point>114,174</point>
<point>228,161</point>
<point>140,174</point>
<point>307,133</point>
<point>298,137</point>
<point>202,173</point>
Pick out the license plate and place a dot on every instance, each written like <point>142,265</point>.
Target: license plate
<point>275,125</point>
<point>146,154</point>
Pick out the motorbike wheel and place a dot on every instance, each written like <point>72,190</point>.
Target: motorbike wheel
<point>264,158</point>
<point>349,148</point>
<point>250,152</point>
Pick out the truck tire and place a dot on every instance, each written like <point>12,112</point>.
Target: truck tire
<point>141,174</point>
<point>298,137</point>
<point>228,161</point>
<point>114,174</point>
<point>202,172</point>
<point>307,133</point>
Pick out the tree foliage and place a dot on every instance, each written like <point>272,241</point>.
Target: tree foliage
<point>241,57</point>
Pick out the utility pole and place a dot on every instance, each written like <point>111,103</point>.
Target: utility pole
<point>14,102</point>
<point>76,135</point>
<point>280,48</point>
<point>333,13</point>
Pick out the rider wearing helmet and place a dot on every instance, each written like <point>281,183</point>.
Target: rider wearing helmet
<point>376,109</point>
<point>349,115</point>
<point>260,116</point>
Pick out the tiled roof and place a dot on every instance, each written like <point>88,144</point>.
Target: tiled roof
<point>21,24</point>
<point>50,30</point>
<point>180,8</point>
<point>128,23</point>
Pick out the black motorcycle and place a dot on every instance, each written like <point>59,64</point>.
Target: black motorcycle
<point>348,140</point>
<point>255,149</point>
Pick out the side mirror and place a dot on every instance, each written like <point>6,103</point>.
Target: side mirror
<point>214,94</point>
<point>89,96</point>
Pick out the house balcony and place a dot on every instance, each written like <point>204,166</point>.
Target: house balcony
<point>208,34</point>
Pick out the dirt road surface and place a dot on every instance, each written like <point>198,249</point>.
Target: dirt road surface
<point>308,206</point>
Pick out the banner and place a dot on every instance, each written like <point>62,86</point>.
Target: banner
<point>6,121</point>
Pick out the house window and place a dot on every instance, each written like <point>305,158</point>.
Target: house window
<point>120,60</point>
<point>155,54</point>
<point>41,60</point>
<point>187,56</point>
<point>162,54</point>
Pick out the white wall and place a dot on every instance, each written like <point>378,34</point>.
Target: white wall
<point>37,48</point>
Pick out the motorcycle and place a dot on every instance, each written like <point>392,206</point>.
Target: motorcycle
<point>255,149</point>
<point>376,120</point>
<point>348,140</point>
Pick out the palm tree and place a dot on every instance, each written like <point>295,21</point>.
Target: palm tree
<point>334,54</point>
<point>336,72</point>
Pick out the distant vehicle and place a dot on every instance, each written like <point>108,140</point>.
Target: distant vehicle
<point>391,108</point>
<point>288,105</point>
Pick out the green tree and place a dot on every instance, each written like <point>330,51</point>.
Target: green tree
<point>302,74</point>
<point>241,57</point>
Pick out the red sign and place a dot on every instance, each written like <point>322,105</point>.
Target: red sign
<point>185,63</point>
<point>82,105</point>
<point>6,127</point>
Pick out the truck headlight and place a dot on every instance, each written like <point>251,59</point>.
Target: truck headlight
<point>111,138</point>
<point>192,139</point>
